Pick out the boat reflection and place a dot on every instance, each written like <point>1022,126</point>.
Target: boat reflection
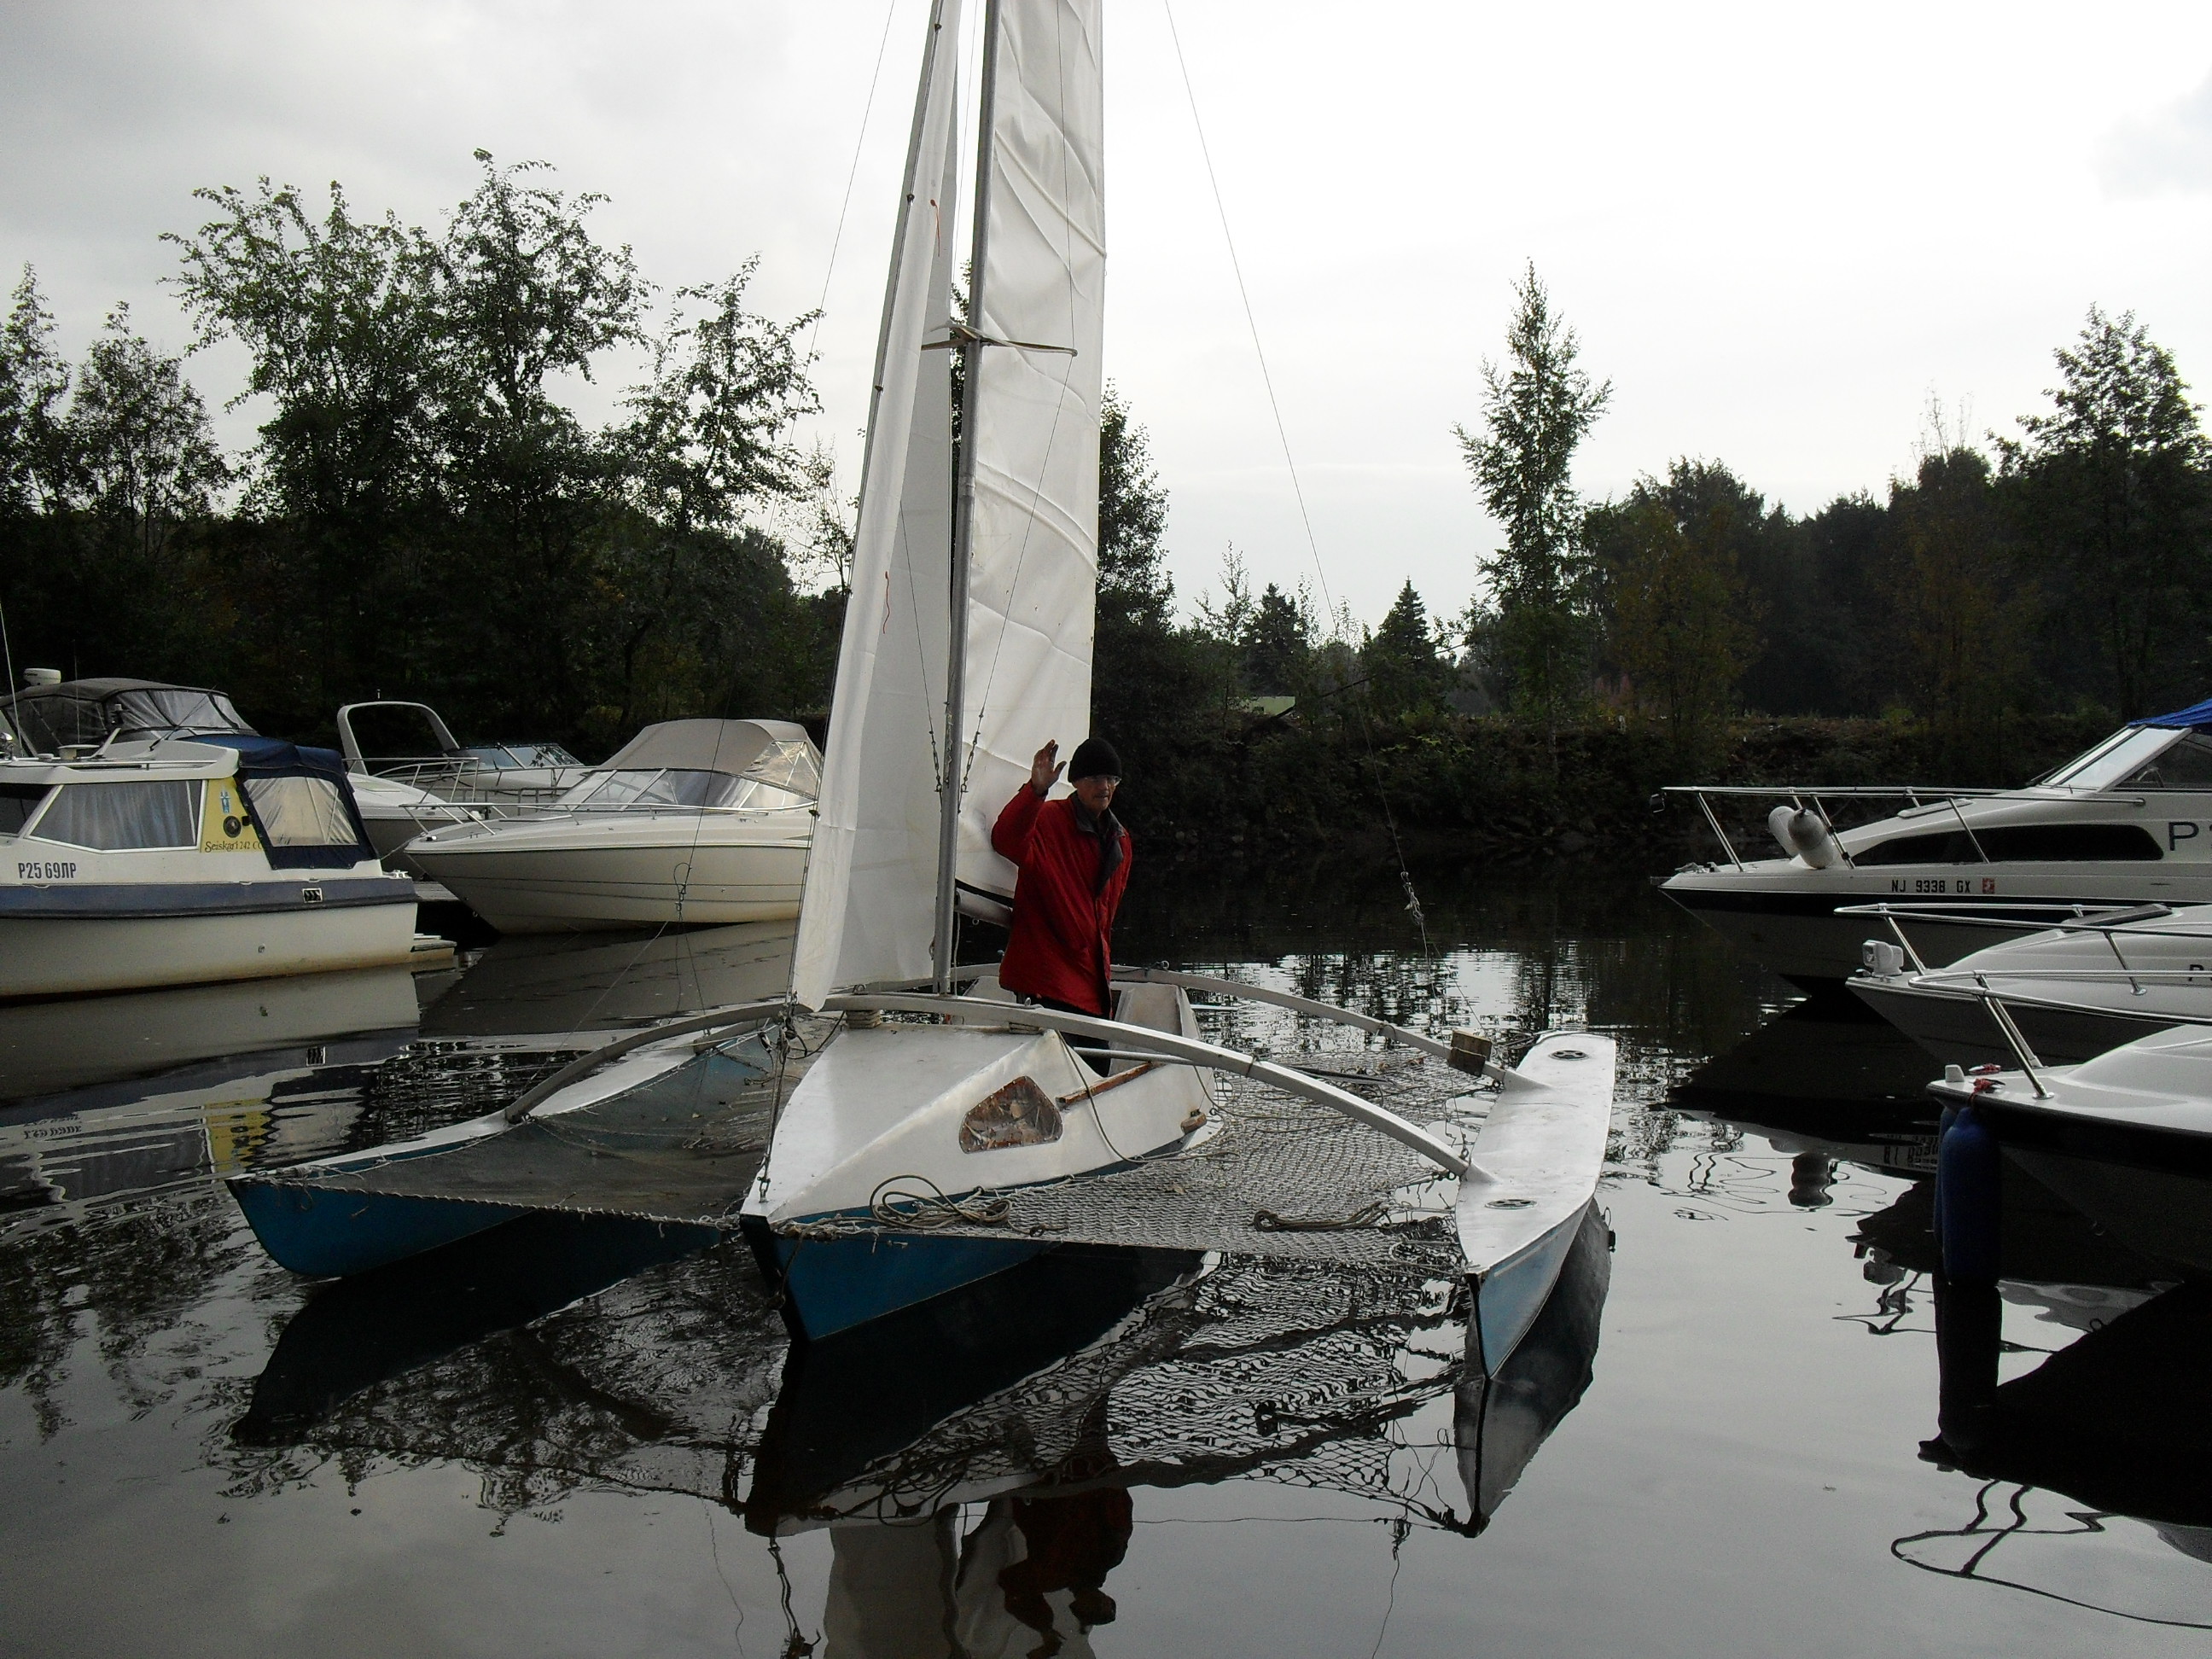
<point>360,1331</point>
<point>2114,1421</point>
<point>564,1354</point>
<point>112,1100</point>
<point>595,982</point>
<point>50,1048</point>
<point>1499,1421</point>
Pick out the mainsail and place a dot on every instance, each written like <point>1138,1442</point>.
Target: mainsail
<point>1035,330</point>
<point>1033,568</point>
<point>866,913</point>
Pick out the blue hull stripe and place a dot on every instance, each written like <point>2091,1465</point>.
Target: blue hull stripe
<point>129,901</point>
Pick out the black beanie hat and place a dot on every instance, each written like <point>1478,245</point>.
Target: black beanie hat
<point>1094,758</point>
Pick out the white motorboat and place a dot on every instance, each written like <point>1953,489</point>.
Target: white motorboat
<point>2147,1103</point>
<point>692,823</point>
<point>497,780</point>
<point>178,862</point>
<point>2094,981</point>
<point>2128,822</point>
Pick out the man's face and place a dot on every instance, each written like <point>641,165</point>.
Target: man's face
<point>1096,793</point>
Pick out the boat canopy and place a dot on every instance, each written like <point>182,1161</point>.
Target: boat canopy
<point>731,746</point>
<point>2196,717</point>
<point>300,803</point>
<point>49,717</point>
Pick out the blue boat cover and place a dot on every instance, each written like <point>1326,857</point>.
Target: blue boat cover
<point>273,758</point>
<point>2196,716</point>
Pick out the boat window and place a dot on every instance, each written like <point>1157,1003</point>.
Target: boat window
<point>2184,764</point>
<point>507,755</point>
<point>153,710</point>
<point>18,801</point>
<point>2111,760</point>
<point>124,816</point>
<point>300,812</point>
<point>614,790</point>
<point>2019,843</point>
<point>752,795</point>
<point>789,768</point>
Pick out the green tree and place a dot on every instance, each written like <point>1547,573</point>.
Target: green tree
<point>1276,644</point>
<point>2111,487</point>
<point>1536,410</point>
<point>33,381</point>
<point>1406,674</point>
<point>1964,613</point>
<point>1156,690</point>
<point>1682,630</point>
<point>337,316</point>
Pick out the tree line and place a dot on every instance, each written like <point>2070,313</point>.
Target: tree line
<point>422,513</point>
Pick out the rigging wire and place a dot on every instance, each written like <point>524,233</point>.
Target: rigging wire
<point>1298,489</point>
<point>859,145</point>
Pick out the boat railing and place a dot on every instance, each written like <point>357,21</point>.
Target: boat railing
<point>1929,798</point>
<point>2106,920</point>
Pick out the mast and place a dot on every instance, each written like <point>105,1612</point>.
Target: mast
<point>963,519</point>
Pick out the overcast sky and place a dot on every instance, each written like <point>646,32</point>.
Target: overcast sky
<point>1779,231</point>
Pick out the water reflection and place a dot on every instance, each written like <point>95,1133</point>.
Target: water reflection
<point>2115,1421</point>
<point>593,982</point>
<point>1116,1448</point>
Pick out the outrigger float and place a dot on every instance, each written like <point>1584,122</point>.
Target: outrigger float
<point>883,1136</point>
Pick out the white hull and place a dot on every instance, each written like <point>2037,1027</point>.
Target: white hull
<point>68,956</point>
<point>1781,914</point>
<point>907,1104</point>
<point>1540,1153</point>
<point>581,874</point>
<point>2075,992</point>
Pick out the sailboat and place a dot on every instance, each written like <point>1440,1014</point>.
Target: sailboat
<point>966,648</point>
<point>913,1100</point>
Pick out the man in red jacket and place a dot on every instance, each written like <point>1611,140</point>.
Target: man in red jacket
<point>1073,856</point>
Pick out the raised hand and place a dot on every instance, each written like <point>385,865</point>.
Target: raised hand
<point>1043,772</point>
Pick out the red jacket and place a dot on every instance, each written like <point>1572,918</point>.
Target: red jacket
<point>1062,947</point>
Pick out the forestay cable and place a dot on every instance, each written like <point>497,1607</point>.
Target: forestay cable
<point>1298,490</point>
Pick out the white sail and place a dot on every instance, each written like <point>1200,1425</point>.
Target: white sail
<point>1034,544</point>
<point>866,915</point>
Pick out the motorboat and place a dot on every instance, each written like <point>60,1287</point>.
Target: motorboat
<point>179,861</point>
<point>53,716</point>
<point>2128,822</point>
<point>691,824</point>
<point>2147,1103</point>
<point>408,743</point>
<point>2091,982</point>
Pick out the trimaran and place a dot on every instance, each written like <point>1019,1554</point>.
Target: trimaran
<point>967,645</point>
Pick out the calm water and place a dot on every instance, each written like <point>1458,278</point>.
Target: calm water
<point>566,1438</point>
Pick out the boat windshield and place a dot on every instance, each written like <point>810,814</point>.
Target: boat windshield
<point>523,756</point>
<point>2116,760</point>
<point>779,780</point>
